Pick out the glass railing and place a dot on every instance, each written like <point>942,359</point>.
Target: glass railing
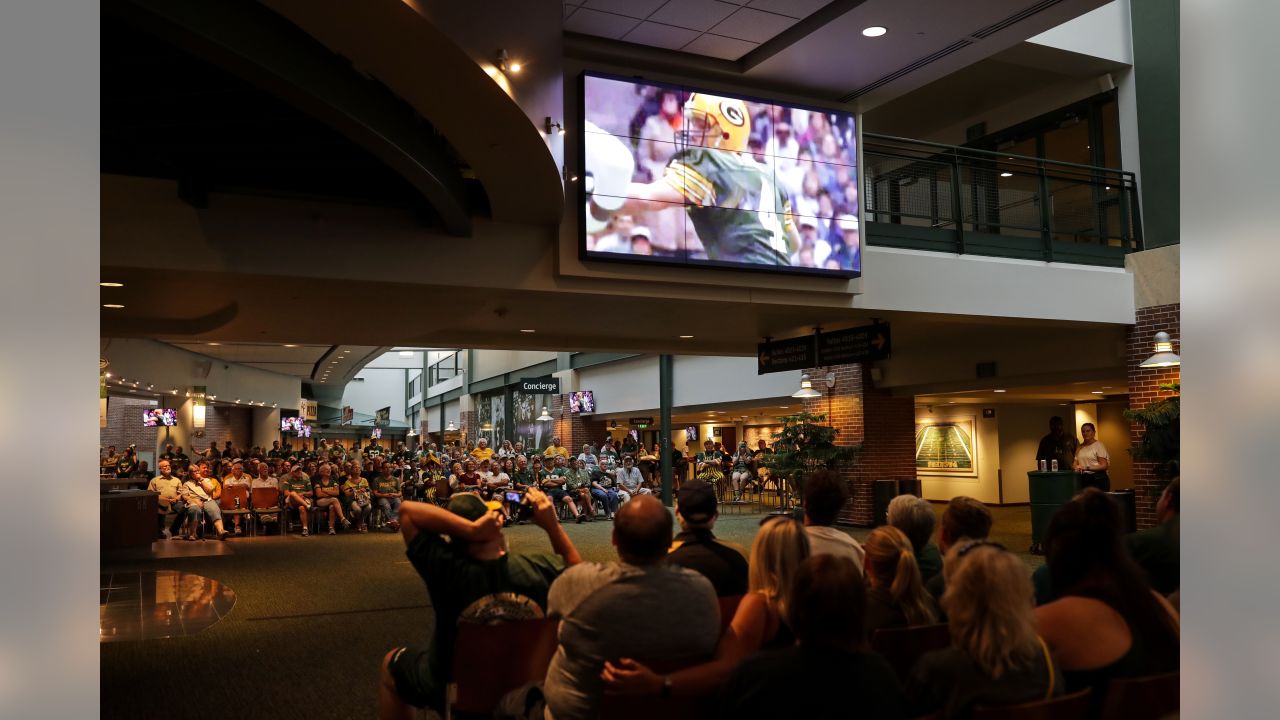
<point>928,196</point>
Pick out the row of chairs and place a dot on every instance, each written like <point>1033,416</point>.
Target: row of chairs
<point>492,660</point>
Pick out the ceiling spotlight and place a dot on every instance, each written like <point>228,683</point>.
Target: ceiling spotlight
<point>214,344</point>
<point>874,31</point>
<point>1006,174</point>
<point>107,375</point>
<point>1097,392</point>
<point>237,401</point>
<point>110,284</point>
<point>287,345</point>
<point>506,64</point>
<point>113,306</point>
<point>526,331</point>
<point>1000,391</point>
<point>686,337</point>
<point>344,352</point>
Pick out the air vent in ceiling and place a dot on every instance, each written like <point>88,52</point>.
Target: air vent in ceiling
<point>1013,19</point>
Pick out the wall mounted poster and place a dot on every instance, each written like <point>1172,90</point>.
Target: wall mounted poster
<point>947,447</point>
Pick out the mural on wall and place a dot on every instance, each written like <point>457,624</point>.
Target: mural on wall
<point>528,406</point>
<point>492,409</point>
<point>947,447</point>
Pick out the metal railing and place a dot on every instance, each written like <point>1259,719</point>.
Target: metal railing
<point>930,196</point>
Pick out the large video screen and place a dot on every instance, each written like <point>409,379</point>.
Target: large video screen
<point>675,175</point>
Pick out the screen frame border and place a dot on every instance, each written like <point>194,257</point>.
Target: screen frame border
<point>580,171</point>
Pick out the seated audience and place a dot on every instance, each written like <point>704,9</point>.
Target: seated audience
<point>587,456</point>
<point>740,470</point>
<point>696,547</point>
<point>996,657</point>
<point>264,479</point>
<point>915,518</point>
<point>629,480</point>
<point>470,480</point>
<point>964,519</point>
<point>708,465</point>
<point>895,594</point>
<point>388,493</point>
<point>198,496</point>
<point>356,494</point>
<point>603,487</point>
<point>577,482</point>
<point>760,623</point>
<point>1156,549</point>
<point>237,476</point>
<point>828,673</point>
<point>166,484</point>
<point>296,488</point>
<point>825,495</point>
<point>327,492</point>
<point>461,555</point>
<point>594,600</point>
<point>1107,622</point>
<point>553,483</point>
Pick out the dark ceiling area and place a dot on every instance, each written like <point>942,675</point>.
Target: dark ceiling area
<point>168,113</point>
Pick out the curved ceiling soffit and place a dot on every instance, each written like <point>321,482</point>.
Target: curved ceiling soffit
<point>145,326</point>
<point>421,64</point>
<point>264,50</point>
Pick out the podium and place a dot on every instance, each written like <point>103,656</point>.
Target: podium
<point>1048,491</point>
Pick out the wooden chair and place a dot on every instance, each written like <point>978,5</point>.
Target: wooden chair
<point>902,647</point>
<point>490,661</point>
<point>1146,698</point>
<point>265,501</point>
<point>227,503</point>
<point>728,607</point>
<point>1067,707</point>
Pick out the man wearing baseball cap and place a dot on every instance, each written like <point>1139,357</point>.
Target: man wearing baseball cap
<point>461,554</point>
<point>696,548</point>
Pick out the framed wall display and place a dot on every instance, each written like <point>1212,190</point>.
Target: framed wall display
<point>947,446</point>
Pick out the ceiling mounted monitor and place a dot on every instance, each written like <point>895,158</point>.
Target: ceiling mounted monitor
<point>677,176</point>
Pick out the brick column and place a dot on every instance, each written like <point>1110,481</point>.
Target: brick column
<point>1144,388</point>
<point>468,427</point>
<point>574,430</point>
<point>883,424</point>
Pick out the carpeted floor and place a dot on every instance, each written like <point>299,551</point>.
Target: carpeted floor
<point>315,616</point>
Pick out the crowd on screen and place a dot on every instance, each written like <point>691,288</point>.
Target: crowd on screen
<point>802,608</point>
<point>811,156</point>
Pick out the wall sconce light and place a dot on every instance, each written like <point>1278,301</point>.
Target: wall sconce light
<point>545,415</point>
<point>548,126</point>
<point>1164,356</point>
<point>806,386</point>
<point>506,64</point>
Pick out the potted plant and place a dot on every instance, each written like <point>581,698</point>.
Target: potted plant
<point>805,445</point>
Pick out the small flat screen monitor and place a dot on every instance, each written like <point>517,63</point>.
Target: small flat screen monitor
<point>291,424</point>
<point>691,433</point>
<point>156,417</point>
<point>304,430</point>
<point>376,434</point>
<point>582,402</point>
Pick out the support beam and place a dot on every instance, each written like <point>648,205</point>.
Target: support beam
<point>666,373</point>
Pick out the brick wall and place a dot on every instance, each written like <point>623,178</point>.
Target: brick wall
<point>468,427</point>
<point>575,430</point>
<point>124,424</point>
<point>1144,388</point>
<point>884,425</point>
<point>755,433</point>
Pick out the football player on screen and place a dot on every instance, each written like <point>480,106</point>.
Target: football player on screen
<point>740,215</point>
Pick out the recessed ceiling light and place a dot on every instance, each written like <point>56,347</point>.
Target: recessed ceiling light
<point>113,306</point>
<point>1097,392</point>
<point>333,362</point>
<point>527,331</point>
<point>1106,387</point>
<point>213,343</point>
<point>110,284</point>
<point>287,345</point>
<point>686,337</point>
<point>874,31</point>
<point>1001,391</point>
<point>344,352</point>
<point>1006,174</point>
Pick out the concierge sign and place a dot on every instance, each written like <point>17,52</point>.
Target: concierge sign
<point>676,175</point>
<point>544,385</point>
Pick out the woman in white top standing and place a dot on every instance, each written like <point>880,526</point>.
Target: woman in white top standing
<point>1092,460</point>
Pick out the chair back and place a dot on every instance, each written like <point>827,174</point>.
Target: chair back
<point>902,647</point>
<point>1066,707</point>
<point>490,661</point>
<point>265,498</point>
<point>229,495</point>
<point>1153,696</point>
<point>728,607</point>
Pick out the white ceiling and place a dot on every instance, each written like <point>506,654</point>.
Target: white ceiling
<point>299,360</point>
<point>724,29</point>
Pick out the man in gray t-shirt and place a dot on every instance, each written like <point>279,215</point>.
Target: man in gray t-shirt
<point>587,599</point>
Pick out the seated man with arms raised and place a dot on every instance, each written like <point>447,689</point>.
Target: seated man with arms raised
<point>461,554</point>
<point>588,599</point>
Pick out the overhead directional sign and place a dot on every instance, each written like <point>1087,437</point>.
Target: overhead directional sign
<point>841,347</point>
<point>784,355</point>
<point>861,344</point>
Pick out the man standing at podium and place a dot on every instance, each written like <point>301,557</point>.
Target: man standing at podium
<point>1057,445</point>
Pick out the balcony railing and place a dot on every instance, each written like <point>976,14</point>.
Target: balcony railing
<point>928,196</point>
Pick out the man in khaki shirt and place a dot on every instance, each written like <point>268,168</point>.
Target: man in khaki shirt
<point>166,484</point>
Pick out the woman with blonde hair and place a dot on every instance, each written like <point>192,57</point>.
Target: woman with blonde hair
<point>896,596</point>
<point>760,622</point>
<point>996,656</point>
